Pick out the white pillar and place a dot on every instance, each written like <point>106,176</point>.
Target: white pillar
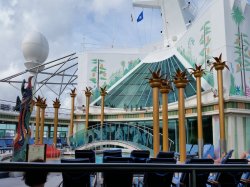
<point>247,134</point>
<point>231,132</point>
<point>216,135</point>
<point>239,133</point>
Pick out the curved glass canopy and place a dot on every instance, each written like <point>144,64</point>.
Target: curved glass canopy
<point>135,92</point>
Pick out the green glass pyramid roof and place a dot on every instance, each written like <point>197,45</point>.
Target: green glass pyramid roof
<point>135,91</point>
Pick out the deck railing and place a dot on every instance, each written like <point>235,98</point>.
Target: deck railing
<point>132,167</point>
<point>131,133</point>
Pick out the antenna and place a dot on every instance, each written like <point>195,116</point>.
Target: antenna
<point>187,5</point>
<point>83,43</point>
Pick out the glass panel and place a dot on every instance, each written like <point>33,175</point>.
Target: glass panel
<point>1,133</point>
<point>9,133</point>
<point>247,134</point>
<point>2,126</point>
<point>134,92</point>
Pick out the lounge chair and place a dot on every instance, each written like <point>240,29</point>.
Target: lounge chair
<point>117,178</point>
<point>162,154</point>
<point>227,156</point>
<point>112,152</point>
<point>140,156</point>
<point>208,149</point>
<point>193,151</point>
<point>229,179</point>
<point>9,142</point>
<point>201,177</point>
<point>245,180</point>
<point>153,179</point>
<point>31,141</point>
<point>188,149</point>
<point>90,154</point>
<point>214,179</point>
<point>76,179</point>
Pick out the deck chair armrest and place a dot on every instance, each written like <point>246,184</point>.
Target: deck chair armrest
<point>178,184</point>
<point>138,180</point>
<point>61,184</point>
<point>213,182</point>
<point>140,183</point>
<point>93,178</point>
<point>245,181</point>
<point>99,178</point>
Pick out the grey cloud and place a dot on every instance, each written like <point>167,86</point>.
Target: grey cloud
<point>65,23</point>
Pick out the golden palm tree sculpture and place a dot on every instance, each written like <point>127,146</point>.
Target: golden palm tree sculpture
<point>155,76</point>
<point>219,65</point>
<point>180,78</point>
<point>103,93</point>
<point>88,93</point>
<point>43,107</point>
<point>155,83</point>
<point>103,90</point>
<point>180,81</point>
<point>165,89</point>
<point>56,105</point>
<point>198,73</point>
<point>73,92</point>
<point>38,108</point>
<point>72,95</point>
<point>38,99</point>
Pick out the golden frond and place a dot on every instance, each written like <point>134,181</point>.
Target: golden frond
<point>180,75</point>
<point>88,90</point>
<point>154,74</point>
<point>104,90</point>
<point>73,91</point>
<point>38,99</point>
<point>218,63</point>
<point>197,69</point>
<point>226,66</point>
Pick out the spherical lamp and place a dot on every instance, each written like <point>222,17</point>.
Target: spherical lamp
<point>174,38</point>
<point>35,49</point>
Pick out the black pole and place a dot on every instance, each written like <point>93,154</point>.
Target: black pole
<point>243,63</point>
<point>205,49</point>
<point>98,71</point>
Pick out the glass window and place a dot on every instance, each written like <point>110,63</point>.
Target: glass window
<point>9,133</point>
<point>135,92</point>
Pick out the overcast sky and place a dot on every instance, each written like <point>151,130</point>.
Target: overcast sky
<point>67,25</point>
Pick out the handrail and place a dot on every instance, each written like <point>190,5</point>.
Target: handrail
<point>142,129</point>
<point>140,126</point>
<point>134,167</point>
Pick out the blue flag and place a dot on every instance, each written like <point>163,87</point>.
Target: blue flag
<point>140,17</point>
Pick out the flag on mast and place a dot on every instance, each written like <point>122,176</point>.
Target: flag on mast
<point>140,17</point>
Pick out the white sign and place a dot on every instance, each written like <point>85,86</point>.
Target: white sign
<point>35,152</point>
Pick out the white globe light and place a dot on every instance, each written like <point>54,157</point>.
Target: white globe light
<point>174,38</point>
<point>35,49</point>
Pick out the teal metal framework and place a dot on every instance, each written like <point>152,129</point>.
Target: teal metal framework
<point>135,92</point>
<point>135,135</point>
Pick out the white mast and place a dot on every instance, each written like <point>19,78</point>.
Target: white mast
<point>172,16</point>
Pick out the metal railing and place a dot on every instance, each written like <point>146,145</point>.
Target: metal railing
<point>131,133</point>
<point>132,167</point>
